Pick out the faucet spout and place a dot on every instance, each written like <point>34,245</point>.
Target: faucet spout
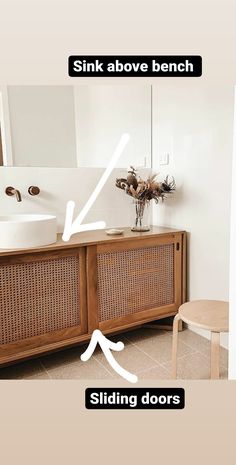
<point>18,195</point>
<point>12,191</point>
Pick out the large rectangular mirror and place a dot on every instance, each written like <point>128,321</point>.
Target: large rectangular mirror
<point>74,126</point>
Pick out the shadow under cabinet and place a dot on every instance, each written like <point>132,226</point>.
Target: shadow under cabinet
<point>55,296</point>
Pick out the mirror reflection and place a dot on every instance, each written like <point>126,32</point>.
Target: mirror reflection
<point>74,126</point>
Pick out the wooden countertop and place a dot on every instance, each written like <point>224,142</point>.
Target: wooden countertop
<point>92,237</point>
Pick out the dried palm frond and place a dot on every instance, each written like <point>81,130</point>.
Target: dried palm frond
<point>168,186</point>
<point>147,190</point>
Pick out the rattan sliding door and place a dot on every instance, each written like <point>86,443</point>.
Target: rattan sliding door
<point>42,300</point>
<point>133,282</point>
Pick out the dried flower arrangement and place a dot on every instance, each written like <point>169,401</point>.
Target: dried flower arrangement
<point>144,191</point>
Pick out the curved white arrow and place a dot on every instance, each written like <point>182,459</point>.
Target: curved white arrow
<point>106,346</point>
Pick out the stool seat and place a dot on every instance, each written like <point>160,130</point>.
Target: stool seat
<point>206,314</point>
<point>212,315</point>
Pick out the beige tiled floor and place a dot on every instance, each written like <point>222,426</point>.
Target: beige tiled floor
<point>147,353</point>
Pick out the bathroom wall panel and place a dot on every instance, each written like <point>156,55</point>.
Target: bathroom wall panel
<point>194,125</point>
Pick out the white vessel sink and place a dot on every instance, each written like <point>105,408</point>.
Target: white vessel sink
<point>25,231</point>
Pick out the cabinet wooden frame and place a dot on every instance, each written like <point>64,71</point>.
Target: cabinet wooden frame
<point>48,341</point>
<point>177,239</point>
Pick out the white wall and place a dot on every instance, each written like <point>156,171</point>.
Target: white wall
<point>42,125</point>
<point>60,185</point>
<point>232,294</point>
<point>103,113</point>
<point>194,123</point>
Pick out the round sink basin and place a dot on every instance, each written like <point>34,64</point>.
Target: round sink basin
<point>25,231</point>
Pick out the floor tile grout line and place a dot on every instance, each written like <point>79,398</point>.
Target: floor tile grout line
<point>64,363</point>
<point>209,358</point>
<point>72,363</point>
<point>194,353</point>
<point>178,358</point>
<point>100,363</point>
<point>206,341</point>
<point>189,345</point>
<point>181,357</point>
<point>157,365</point>
<point>150,368</point>
<point>141,350</point>
<point>158,362</point>
<point>201,352</point>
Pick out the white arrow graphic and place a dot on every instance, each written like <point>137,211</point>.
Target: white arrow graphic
<point>106,346</point>
<point>72,227</point>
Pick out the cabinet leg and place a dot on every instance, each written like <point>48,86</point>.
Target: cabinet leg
<point>215,355</point>
<point>175,345</point>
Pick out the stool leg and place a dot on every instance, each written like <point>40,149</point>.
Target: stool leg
<point>215,355</point>
<point>175,345</point>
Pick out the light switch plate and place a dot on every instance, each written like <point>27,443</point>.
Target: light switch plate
<point>164,159</point>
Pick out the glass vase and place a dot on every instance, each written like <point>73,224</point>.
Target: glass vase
<point>141,215</point>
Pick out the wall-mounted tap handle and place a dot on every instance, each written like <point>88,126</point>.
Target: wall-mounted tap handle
<point>12,191</point>
<point>33,190</point>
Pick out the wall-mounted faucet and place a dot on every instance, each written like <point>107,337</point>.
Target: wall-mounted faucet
<point>12,191</point>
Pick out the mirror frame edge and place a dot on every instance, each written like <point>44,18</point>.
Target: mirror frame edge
<point>5,127</point>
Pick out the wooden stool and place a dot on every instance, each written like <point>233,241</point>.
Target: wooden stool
<point>212,315</point>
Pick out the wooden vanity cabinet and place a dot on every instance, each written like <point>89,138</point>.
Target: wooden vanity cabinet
<point>57,295</point>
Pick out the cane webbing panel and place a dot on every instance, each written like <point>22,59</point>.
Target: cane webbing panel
<point>135,280</point>
<point>38,297</point>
